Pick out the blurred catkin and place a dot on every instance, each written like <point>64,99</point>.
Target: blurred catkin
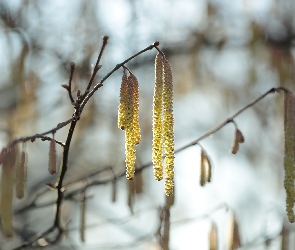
<point>21,174</point>
<point>203,168</point>
<point>52,157</point>
<point>234,240</point>
<point>213,240</point>
<point>158,119</point>
<point>7,184</point>
<point>289,159</point>
<point>83,216</point>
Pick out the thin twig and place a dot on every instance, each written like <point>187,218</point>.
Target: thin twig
<point>100,84</point>
<point>96,67</point>
<point>92,183</point>
<point>72,64</point>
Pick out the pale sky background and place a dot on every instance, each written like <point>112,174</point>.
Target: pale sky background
<point>253,190</point>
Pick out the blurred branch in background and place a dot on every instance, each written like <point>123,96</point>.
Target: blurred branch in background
<point>223,54</point>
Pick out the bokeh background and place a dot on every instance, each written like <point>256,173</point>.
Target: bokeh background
<point>223,53</point>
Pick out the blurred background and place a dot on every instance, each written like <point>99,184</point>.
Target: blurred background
<point>223,54</point>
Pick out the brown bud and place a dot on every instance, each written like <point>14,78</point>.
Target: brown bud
<point>65,86</point>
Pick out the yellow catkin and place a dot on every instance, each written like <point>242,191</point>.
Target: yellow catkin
<point>168,127</point>
<point>7,184</point>
<point>83,217</point>
<point>203,169</point>
<point>21,175</point>
<point>136,128</point>
<point>158,119</point>
<point>129,135</point>
<point>234,240</point>
<point>122,105</point>
<point>289,159</point>
<point>213,241</point>
<point>52,157</point>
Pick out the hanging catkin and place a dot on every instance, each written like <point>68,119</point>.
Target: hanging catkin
<point>203,168</point>
<point>83,216</point>
<point>123,100</point>
<point>289,159</point>
<point>52,157</point>
<point>158,119</point>
<point>21,174</point>
<point>136,129</point>
<point>129,132</point>
<point>168,127</point>
<point>213,241</point>
<point>7,184</point>
<point>234,240</point>
<point>239,138</point>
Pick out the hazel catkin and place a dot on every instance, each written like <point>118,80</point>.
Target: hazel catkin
<point>289,159</point>
<point>129,135</point>
<point>158,119</point>
<point>168,127</point>
<point>136,129</point>
<point>7,184</point>
<point>21,174</point>
<point>123,100</point>
<point>52,157</point>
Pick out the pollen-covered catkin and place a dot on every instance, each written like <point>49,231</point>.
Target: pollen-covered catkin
<point>129,135</point>
<point>52,157</point>
<point>157,149</point>
<point>168,127</point>
<point>7,184</point>
<point>136,128</point>
<point>123,100</point>
<point>289,159</point>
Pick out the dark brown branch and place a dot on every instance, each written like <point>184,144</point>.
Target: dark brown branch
<point>96,67</point>
<point>72,64</point>
<point>33,137</point>
<point>100,84</point>
<point>73,193</point>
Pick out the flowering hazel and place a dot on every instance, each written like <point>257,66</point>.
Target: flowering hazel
<point>123,100</point>
<point>157,119</point>
<point>168,130</point>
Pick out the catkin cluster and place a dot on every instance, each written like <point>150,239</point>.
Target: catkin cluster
<point>14,176</point>
<point>128,119</point>
<point>289,160</point>
<point>163,122</point>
